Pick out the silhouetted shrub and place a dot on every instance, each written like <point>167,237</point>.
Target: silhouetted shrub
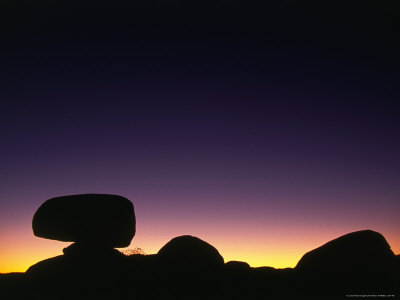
<point>133,251</point>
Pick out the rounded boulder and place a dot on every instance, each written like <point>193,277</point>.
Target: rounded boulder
<point>187,251</point>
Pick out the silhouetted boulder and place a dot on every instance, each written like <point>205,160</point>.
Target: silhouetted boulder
<point>95,219</point>
<point>188,251</point>
<point>274,277</point>
<point>91,273</point>
<point>237,280</point>
<point>79,259</point>
<point>356,251</point>
<point>188,264</point>
<point>356,263</point>
<point>237,266</point>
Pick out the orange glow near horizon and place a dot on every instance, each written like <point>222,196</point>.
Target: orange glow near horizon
<point>276,248</point>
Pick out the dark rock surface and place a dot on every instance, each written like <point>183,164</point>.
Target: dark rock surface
<point>90,267</point>
<point>187,263</point>
<point>96,219</point>
<point>237,266</point>
<point>93,272</point>
<point>361,250</point>
<point>357,263</point>
<point>186,251</point>
<point>189,268</point>
<point>13,286</point>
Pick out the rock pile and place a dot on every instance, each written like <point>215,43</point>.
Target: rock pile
<point>358,263</point>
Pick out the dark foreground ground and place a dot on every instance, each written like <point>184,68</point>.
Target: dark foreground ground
<point>357,265</point>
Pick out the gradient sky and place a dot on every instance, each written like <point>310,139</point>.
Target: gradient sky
<point>265,147</point>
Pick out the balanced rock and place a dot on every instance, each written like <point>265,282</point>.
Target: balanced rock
<point>98,219</point>
<point>359,251</point>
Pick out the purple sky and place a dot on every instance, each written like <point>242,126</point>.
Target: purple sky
<point>248,139</point>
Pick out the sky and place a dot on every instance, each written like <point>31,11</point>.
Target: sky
<point>261,136</point>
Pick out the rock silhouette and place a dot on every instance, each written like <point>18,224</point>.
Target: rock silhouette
<point>237,266</point>
<point>97,219</point>
<point>358,262</point>
<point>361,250</point>
<point>185,251</point>
<point>186,267</point>
<point>89,267</point>
<point>193,263</point>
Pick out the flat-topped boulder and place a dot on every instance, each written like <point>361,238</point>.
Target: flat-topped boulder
<point>94,219</point>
